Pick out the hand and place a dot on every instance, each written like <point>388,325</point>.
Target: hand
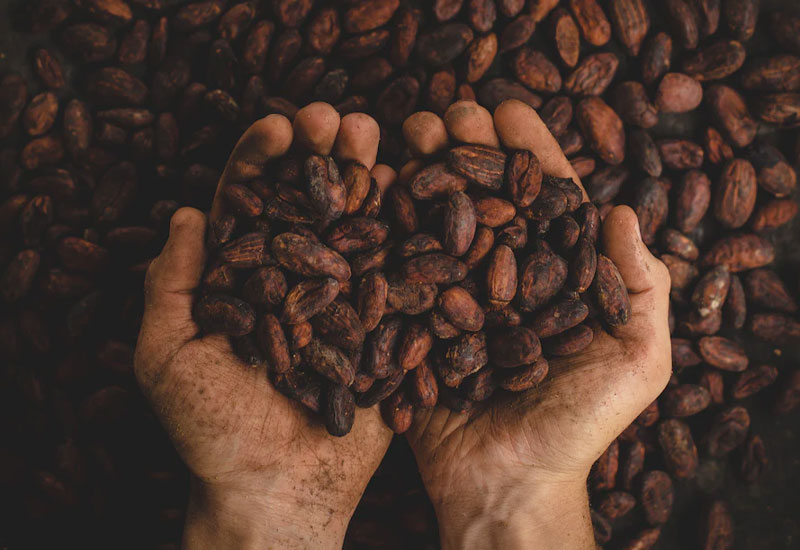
<point>513,474</point>
<point>265,471</point>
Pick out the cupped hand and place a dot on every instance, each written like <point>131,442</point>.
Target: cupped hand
<point>265,471</point>
<point>513,473</point>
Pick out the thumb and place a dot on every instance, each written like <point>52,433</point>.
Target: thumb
<point>646,278</point>
<point>171,280</point>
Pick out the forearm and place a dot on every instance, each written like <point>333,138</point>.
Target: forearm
<point>221,520</point>
<point>544,518</point>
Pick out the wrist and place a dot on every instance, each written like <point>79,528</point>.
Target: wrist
<point>548,515</point>
<point>254,517</point>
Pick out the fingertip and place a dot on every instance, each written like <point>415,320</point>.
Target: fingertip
<point>358,139</point>
<point>468,122</point>
<point>622,243</point>
<point>187,219</point>
<point>621,221</point>
<point>267,138</point>
<point>408,170</point>
<point>520,127</point>
<point>424,133</point>
<point>385,176</point>
<point>315,127</point>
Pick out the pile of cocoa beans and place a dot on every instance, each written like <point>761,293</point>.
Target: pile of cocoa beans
<point>334,298</point>
<point>123,110</point>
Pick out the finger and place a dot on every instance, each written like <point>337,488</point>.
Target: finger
<point>265,140</point>
<point>520,127</point>
<point>315,127</point>
<point>424,133</point>
<point>358,139</point>
<point>622,242</point>
<point>646,278</point>
<point>408,170</point>
<point>385,176</point>
<point>468,122</point>
<point>170,283</point>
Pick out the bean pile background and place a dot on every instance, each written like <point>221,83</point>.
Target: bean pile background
<point>86,191</point>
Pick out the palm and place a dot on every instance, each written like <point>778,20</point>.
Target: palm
<point>228,421</point>
<point>558,428</point>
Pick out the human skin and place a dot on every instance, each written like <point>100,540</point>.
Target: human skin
<point>513,474</point>
<point>265,472</point>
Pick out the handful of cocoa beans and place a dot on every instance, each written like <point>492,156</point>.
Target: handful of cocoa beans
<point>481,268</point>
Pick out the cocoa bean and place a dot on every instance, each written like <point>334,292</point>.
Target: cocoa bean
<point>218,313</point>
<point>524,377</point>
<point>740,17</point>
<point>423,388</point>
<point>397,412</point>
<point>48,68</point>
<point>684,400</point>
<point>501,274</point>
<point>272,341</point>
<point>444,44</point>
<point>411,298</point>
<point>678,93</point>
<point>716,61</point>
<point>559,317</point>
<point>339,410</point>
<point>631,23</point>
<point>656,57</point>
<point>678,448</point>
<point>566,36</point>
<point>693,200</point>
<point>650,204</point>
<point>657,497</point>
<point>603,129</point>
<point>593,75</point>
<point>755,459</point>
<point>634,106</point>
<point>728,431</point>
<point>729,110</point>
<point>631,464</point>
<point>717,150</point>
<point>604,472</point>
<point>459,224</point>
<point>740,253</point>
<point>789,397</point>
<point>301,255</point>
<point>683,354</point>
<point>722,353</point>
<point>685,22</point>
<point>467,354</point>
<point>773,215</point>
<point>517,33</point>
<point>765,289</point>
<point>680,154</point>
<point>753,380</point>
<point>495,91</point>
<point>536,71</point>
<point>434,268</point>
<point>461,309</point>
<point>329,361</point>
<point>592,20</point>
<point>308,298</point>
<point>542,275</point>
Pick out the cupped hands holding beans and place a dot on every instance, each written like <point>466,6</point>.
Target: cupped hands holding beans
<point>472,299</point>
